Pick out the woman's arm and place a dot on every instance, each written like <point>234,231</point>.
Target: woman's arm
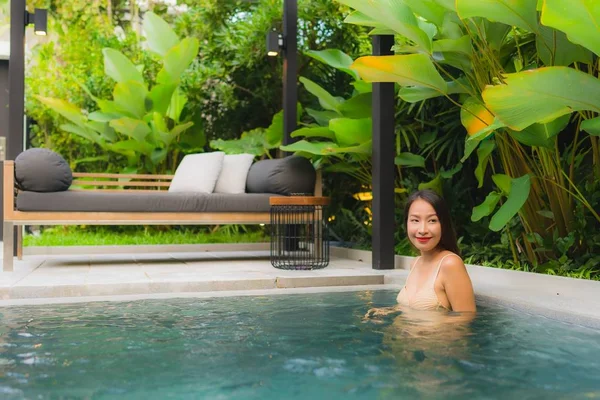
<point>457,285</point>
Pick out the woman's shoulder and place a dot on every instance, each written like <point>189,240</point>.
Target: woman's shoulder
<point>451,263</point>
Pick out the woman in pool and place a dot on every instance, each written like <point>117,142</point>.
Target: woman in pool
<point>438,279</point>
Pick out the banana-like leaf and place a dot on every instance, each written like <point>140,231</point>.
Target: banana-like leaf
<point>64,108</point>
<point>555,49</point>
<point>103,117</point>
<point>130,96</point>
<point>83,132</point>
<point>362,86</point>
<point>591,126</point>
<point>320,132</point>
<point>474,116</point>
<point>349,132</point>
<point>317,148</point>
<point>414,94</point>
<point>579,19</point>
<point>178,101</point>
<point>542,95</point>
<point>132,145</point>
<point>487,207</point>
<point>362,149</point>
<point>334,58</point>
<point>119,67</point>
<point>359,106</point>
<point>159,35</point>
<point>503,182</point>
<point>179,129</point>
<point>541,135</point>
<point>407,70</point>
<point>449,5</point>
<point>358,18</point>
<point>520,13</point>
<point>395,15</point>
<point>322,117</point>
<point>177,60</point>
<point>483,156</point>
<point>519,192</point>
<point>158,155</point>
<point>103,128</point>
<point>326,100</point>
<point>428,9</point>
<point>161,95</point>
<point>132,128</point>
<point>409,160</point>
<point>462,45</point>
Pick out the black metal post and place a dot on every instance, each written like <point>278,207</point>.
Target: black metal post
<point>383,164</point>
<point>290,69</point>
<point>16,73</point>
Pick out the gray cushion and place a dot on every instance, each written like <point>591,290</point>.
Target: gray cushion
<point>90,201</point>
<point>42,170</point>
<point>283,176</point>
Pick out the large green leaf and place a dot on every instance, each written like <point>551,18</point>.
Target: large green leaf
<point>161,96</point>
<point>428,9</point>
<point>178,59</point>
<point>132,145</point>
<point>319,131</point>
<point>503,182</point>
<point>326,100</point>
<point>322,117</point>
<point>64,108</point>
<point>178,101</point>
<point>591,126</point>
<point>555,49</point>
<point>520,13</point>
<point>179,129</point>
<point>103,128</point>
<point>130,96</point>
<point>132,128</point>
<point>407,70</point>
<point>359,106</point>
<point>334,58</point>
<point>483,156</point>
<point>358,18</point>
<point>317,148</point>
<point>487,207</point>
<point>519,192</point>
<point>542,95</point>
<point>579,19</point>
<point>83,132</point>
<point>414,94</point>
<point>461,45</point>
<point>103,117</point>
<point>395,15</point>
<point>350,132</point>
<point>119,67</point>
<point>159,35</point>
<point>407,159</point>
<point>541,135</point>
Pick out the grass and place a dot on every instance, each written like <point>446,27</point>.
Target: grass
<point>106,236</point>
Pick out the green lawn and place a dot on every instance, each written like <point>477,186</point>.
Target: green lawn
<point>103,236</point>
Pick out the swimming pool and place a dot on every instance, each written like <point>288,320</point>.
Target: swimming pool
<point>289,346</point>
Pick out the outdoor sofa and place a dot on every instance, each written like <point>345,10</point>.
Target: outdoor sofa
<point>30,197</point>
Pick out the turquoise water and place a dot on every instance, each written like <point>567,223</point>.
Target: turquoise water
<point>316,346</point>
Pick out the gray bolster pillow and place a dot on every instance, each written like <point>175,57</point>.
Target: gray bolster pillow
<point>284,176</point>
<point>42,170</point>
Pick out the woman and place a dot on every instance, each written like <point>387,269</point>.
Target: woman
<point>438,279</point>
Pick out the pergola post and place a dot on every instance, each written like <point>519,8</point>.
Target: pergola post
<point>383,164</point>
<point>290,69</point>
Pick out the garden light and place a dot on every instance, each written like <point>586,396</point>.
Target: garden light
<point>274,43</point>
<point>39,19</point>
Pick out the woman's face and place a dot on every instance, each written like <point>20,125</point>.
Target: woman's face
<point>423,226</point>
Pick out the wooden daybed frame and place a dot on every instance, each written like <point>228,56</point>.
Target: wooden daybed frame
<point>100,181</point>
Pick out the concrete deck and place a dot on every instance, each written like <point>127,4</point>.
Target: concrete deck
<point>128,273</point>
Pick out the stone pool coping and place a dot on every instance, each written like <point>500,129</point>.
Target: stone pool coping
<point>135,272</point>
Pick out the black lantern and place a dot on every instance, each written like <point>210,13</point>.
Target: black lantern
<point>39,19</point>
<point>274,43</point>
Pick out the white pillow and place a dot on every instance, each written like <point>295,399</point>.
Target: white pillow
<point>234,173</point>
<point>198,173</point>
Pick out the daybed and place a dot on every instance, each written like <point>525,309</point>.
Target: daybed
<point>131,199</point>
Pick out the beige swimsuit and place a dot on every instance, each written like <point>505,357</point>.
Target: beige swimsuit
<point>424,299</point>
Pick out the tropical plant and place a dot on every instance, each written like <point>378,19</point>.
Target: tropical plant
<point>144,125</point>
<point>457,49</point>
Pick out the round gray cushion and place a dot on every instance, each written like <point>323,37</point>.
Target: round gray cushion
<point>282,176</point>
<point>42,170</point>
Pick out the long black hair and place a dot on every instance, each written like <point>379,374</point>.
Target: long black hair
<point>448,240</point>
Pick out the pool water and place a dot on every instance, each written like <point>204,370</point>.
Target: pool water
<point>298,346</point>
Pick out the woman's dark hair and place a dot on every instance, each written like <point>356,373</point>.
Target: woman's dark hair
<point>448,240</point>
